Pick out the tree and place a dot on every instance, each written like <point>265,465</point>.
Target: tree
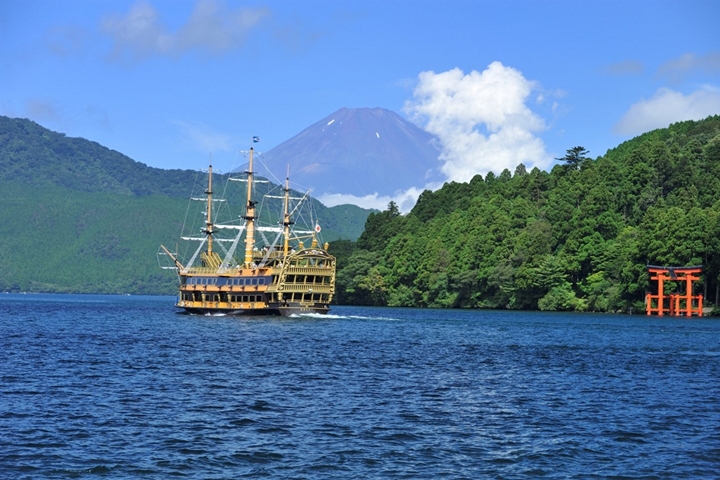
<point>574,158</point>
<point>379,228</point>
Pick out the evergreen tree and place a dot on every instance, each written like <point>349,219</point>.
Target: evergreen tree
<point>574,158</point>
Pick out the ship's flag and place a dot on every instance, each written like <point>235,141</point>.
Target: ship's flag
<point>256,139</point>
<point>317,227</point>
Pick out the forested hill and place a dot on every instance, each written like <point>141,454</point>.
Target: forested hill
<point>576,238</point>
<point>33,154</point>
<point>78,217</point>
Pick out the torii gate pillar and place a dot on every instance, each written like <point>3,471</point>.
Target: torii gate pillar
<point>677,304</point>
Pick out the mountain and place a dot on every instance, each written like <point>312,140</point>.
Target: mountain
<point>358,151</point>
<point>78,217</point>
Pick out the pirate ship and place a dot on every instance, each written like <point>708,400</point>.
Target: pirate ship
<point>287,272</point>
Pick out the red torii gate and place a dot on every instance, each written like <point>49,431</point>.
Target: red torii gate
<point>677,304</point>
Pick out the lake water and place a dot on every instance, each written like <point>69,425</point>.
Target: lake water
<point>125,387</point>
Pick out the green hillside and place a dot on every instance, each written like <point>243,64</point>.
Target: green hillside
<point>78,217</point>
<point>576,238</point>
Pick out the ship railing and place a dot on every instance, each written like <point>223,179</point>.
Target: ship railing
<point>201,270</point>
<point>303,287</point>
<point>309,270</point>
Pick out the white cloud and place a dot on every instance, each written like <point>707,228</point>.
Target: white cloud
<point>404,200</point>
<point>212,27</point>
<point>629,67</point>
<point>481,119</point>
<point>64,40</point>
<point>42,110</point>
<point>666,107</point>
<point>296,37</point>
<point>677,69</point>
<point>202,138</point>
<point>98,116</point>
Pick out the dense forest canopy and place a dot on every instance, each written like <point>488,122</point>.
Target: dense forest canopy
<point>576,238</point>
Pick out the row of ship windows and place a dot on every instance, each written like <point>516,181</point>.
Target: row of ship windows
<point>314,279</point>
<point>216,298</point>
<point>227,281</point>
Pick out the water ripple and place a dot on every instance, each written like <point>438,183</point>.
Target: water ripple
<point>123,387</point>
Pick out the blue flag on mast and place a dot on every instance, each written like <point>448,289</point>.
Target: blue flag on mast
<point>256,139</point>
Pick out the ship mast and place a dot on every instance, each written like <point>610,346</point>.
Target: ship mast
<point>249,216</point>
<point>208,214</point>
<point>286,216</point>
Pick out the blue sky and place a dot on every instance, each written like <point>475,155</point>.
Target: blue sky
<point>170,83</point>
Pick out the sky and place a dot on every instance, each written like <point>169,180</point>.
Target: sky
<point>182,83</point>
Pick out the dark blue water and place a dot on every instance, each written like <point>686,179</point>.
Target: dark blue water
<point>124,387</point>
